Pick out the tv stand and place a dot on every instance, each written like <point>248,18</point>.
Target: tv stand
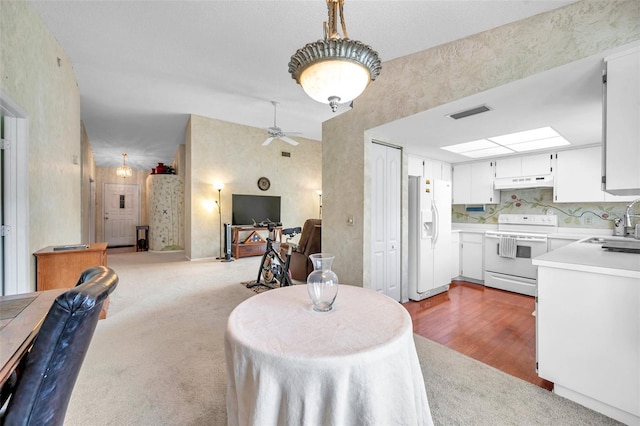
<point>251,241</point>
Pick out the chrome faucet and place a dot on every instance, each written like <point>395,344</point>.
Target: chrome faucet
<point>628,215</point>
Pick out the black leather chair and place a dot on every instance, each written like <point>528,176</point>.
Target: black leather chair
<point>44,385</point>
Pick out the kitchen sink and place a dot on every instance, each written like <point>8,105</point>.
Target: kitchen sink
<point>603,240</point>
<point>617,244</point>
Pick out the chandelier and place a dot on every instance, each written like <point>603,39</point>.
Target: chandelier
<point>124,171</point>
<point>335,70</point>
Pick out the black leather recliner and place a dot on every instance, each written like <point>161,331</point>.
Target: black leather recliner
<point>44,386</point>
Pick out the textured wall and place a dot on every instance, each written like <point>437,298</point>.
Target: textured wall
<point>219,151</point>
<point>37,75</point>
<point>165,204</point>
<point>436,76</point>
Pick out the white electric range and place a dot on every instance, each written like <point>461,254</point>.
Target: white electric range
<point>509,250</point>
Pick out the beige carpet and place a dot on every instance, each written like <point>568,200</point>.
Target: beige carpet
<point>158,359</point>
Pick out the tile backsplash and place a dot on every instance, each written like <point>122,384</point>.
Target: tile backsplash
<point>539,201</point>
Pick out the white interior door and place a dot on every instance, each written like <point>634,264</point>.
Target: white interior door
<point>2,191</point>
<point>121,213</point>
<point>16,269</point>
<point>386,170</point>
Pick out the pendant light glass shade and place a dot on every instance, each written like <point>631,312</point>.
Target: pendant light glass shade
<point>334,70</point>
<point>124,171</point>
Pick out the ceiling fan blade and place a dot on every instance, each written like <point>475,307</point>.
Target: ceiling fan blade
<point>268,141</point>
<point>289,140</point>
<point>293,133</point>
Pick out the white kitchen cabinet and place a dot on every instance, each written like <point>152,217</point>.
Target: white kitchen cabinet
<point>455,255</point>
<point>415,167</point>
<point>622,124</point>
<point>527,165</point>
<point>461,191</point>
<point>556,243</point>
<point>428,168</point>
<point>473,183</point>
<point>578,177</point>
<point>472,256</point>
<point>587,338</point>
<point>434,169</point>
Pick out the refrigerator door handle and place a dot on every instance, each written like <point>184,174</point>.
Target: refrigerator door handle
<point>436,224</point>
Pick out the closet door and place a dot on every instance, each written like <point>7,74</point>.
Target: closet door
<point>386,212</point>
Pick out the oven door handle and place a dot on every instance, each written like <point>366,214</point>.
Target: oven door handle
<point>530,239</point>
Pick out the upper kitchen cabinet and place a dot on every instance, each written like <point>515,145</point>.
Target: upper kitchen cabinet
<point>528,171</point>
<point>621,147</point>
<point>428,168</point>
<point>577,177</point>
<point>415,165</point>
<point>529,165</point>
<point>437,170</point>
<point>473,183</point>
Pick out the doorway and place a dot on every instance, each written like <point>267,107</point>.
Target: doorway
<point>14,251</point>
<point>121,213</point>
<point>386,210</point>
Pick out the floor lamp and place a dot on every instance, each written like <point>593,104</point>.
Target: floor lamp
<point>219,187</point>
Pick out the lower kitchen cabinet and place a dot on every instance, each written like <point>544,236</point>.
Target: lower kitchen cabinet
<point>587,332</point>
<point>556,243</point>
<point>472,256</point>
<point>455,255</point>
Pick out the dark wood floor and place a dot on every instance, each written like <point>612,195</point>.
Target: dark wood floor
<point>492,326</point>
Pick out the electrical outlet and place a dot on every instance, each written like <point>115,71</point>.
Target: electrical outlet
<point>587,220</point>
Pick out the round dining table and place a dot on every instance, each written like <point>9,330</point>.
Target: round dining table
<point>354,365</point>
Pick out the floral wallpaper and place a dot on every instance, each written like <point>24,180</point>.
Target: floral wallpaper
<point>539,201</point>
<point>165,203</point>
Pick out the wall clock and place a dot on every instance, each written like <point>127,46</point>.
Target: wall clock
<point>264,184</point>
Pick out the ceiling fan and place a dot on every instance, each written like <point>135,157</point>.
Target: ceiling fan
<point>276,132</point>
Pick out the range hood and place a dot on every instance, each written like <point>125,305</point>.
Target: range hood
<point>519,182</point>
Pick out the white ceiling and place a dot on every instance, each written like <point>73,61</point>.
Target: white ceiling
<point>144,66</point>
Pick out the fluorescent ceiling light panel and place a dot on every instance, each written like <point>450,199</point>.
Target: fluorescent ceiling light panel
<point>526,136</point>
<point>470,146</point>
<point>529,140</point>
<point>539,144</point>
<point>489,152</point>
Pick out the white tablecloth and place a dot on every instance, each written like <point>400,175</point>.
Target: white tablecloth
<point>355,365</point>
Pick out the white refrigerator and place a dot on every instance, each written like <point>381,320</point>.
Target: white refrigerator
<point>429,237</point>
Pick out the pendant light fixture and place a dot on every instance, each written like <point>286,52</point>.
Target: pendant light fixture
<point>124,171</point>
<point>335,70</point>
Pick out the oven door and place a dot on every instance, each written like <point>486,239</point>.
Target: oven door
<point>526,249</point>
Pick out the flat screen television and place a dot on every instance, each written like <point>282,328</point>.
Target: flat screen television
<point>248,210</point>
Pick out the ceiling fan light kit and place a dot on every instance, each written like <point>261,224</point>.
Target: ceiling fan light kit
<point>335,70</point>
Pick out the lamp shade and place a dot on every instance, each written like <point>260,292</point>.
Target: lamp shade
<point>334,78</point>
<point>334,70</point>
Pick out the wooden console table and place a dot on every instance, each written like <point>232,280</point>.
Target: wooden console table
<point>248,241</point>
<point>62,268</point>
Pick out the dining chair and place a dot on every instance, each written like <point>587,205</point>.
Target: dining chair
<point>44,385</point>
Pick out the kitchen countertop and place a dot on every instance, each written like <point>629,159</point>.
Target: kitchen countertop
<point>590,257</point>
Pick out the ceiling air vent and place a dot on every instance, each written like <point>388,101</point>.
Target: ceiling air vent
<point>469,112</point>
